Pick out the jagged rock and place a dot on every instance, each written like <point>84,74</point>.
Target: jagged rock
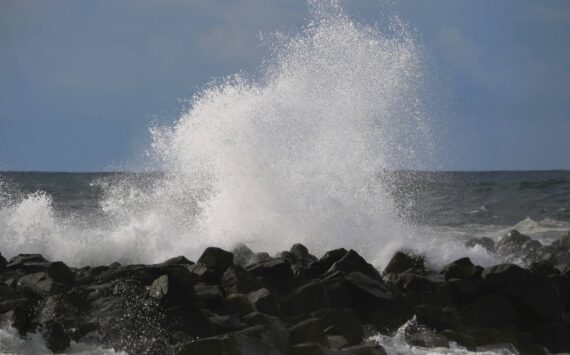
<point>271,330</point>
<point>39,284</point>
<point>239,303</point>
<point>460,269</point>
<point>3,263</point>
<point>265,302</point>
<point>553,336</point>
<point>276,274</point>
<point>390,316</point>
<point>484,242</point>
<point>302,255</point>
<point>337,341</point>
<point>353,262</point>
<point>460,338</point>
<point>222,324</point>
<point>403,262</point>
<point>489,311</point>
<point>366,293</point>
<point>209,295</point>
<point>412,283</point>
<point>243,255</point>
<point>55,336</point>
<point>317,268</point>
<point>306,299</point>
<point>171,291</point>
<point>532,293</point>
<point>230,344</point>
<point>22,259</point>
<point>309,330</point>
<point>465,291</point>
<point>517,245</point>
<point>494,336</point>
<point>178,260</point>
<point>436,318</point>
<point>543,268</point>
<point>364,349</point>
<point>217,259</point>
<point>345,321</point>
<point>337,292</point>
<point>310,348</point>
<point>427,339</point>
<point>237,280</point>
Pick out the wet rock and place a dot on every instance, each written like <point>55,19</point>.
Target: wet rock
<point>171,291</point>
<point>483,242</point>
<point>364,349</point>
<point>276,274</point>
<point>460,338</point>
<point>301,255</point>
<point>264,301</point>
<point>3,263</point>
<point>435,318</point>
<point>243,255</point>
<point>236,280</point>
<point>553,336</point>
<point>311,348</point>
<point>460,269</point>
<point>271,330</point>
<point>306,299</point>
<point>519,246</point>
<point>230,344</point>
<point>216,259</point>
<point>209,295</point>
<point>345,321</point>
<point>493,336</point>
<point>307,331</point>
<point>317,268</point>
<point>366,293</point>
<point>403,262</point>
<point>222,324</point>
<point>427,339</point>
<point>337,292</point>
<point>533,294</point>
<point>353,262</point>
<point>390,316</point>
<point>55,336</point>
<point>239,303</point>
<point>23,259</point>
<point>337,341</point>
<point>39,284</point>
<point>489,311</point>
<point>178,260</point>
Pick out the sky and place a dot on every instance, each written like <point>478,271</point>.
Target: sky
<point>81,81</point>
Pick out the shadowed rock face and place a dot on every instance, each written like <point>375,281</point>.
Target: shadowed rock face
<point>294,303</point>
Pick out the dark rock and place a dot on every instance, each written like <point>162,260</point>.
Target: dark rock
<point>237,280</point>
<point>412,283</point>
<point>519,246</point>
<point>364,349</point>
<point>239,303</point>
<point>486,336</point>
<point>276,274</point>
<point>22,259</point>
<point>230,344</point>
<point>403,262</point>
<point>272,330</point>
<point>390,316</point>
<point>171,291</point>
<point>484,242</point>
<point>366,293</point>
<point>465,291</point>
<point>306,299</point>
<point>337,292</point>
<point>301,255</point>
<point>217,259</point>
<point>436,318</point>
<point>337,341</point>
<point>427,339</point>
<point>39,284</point>
<point>55,336</point>
<point>553,336</point>
<point>265,302</point>
<point>489,311</point>
<point>209,295</point>
<point>178,260</point>
<point>3,263</point>
<point>353,262</point>
<point>317,268</point>
<point>311,348</point>
<point>460,338</point>
<point>243,255</point>
<point>345,321</point>
<point>532,293</point>
<point>310,330</point>
<point>460,269</point>
<point>543,268</point>
<point>223,324</point>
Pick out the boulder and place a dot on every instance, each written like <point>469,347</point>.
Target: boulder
<point>264,301</point>
<point>53,333</point>
<point>353,262</point>
<point>271,330</point>
<point>366,293</point>
<point>460,269</point>
<point>178,260</point>
<point>276,274</point>
<point>337,341</point>
<point>345,321</point>
<point>310,348</point>
<point>553,336</point>
<point>243,255</point>
<point>390,316</point>
<point>484,242</point>
<point>317,268</point>
<point>439,319</point>
<point>534,295</point>
<point>306,299</point>
<point>239,303</point>
<point>489,311</point>
<point>337,292</point>
<point>405,262</point>
<point>230,344</point>
<point>363,349</point>
<point>39,284</point>
<point>309,330</point>
<point>216,259</point>
<point>301,254</point>
<point>209,295</point>
<point>236,280</point>
<point>3,263</point>
<point>171,291</point>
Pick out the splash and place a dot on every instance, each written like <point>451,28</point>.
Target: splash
<point>298,152</point>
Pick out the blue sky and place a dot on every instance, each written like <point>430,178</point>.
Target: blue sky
<point>81,81</point>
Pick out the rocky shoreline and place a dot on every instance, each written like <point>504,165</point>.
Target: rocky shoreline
<point>242,302</point>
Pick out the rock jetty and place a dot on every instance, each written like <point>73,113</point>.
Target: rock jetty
<point>241,302</point>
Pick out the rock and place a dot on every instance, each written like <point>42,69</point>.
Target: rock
<point>543,268</point>
<point>345,321</point>
<point>243,255</point>
<point>553,336</point>
<point>364,349</point>
<point>178,260</point>
<point>55,336</point>
<point>237,280</point>
<point>460,269</point>
<point>466,291</point>
<point>171,291</point>
<point>337,292</point>
<point>301,255</point>
<point>209,295</point>
<point>217,259</point>
<point>427,339</point>
<point>494,336</point>
<point>484,242</point>
<point>337,341</point>
<point>239,303</point>
<point>22,259</point>
<point>366,293</point>
<point>308,349</point>
<point>309,330</point>
<point>435,318</point>
<point>39,284</point>
<point>276,274</point>
<point>3,263</point>
<point>403,262</point>
<point>306,299</point>
<point>222,324</point>
<point>489,311</point>
<point>517,245</point>
<point>390,316</point>
<point>272,330</point>
<point>353,262</point>
<point>230,344</point>
<point>265,302</point>
<point>317,268</point>
<point>461,339</point>
<point>534,295</point>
